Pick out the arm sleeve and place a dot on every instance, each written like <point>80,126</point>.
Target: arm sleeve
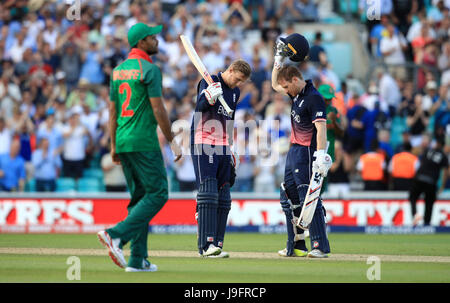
<point>317,109</point>
<point>153,80</point>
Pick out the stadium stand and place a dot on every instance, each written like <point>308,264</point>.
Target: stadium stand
<point>54,64</point>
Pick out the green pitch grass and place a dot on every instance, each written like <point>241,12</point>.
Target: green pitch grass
<point>350,252</point>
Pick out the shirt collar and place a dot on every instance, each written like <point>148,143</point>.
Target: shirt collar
<point>137,53</point>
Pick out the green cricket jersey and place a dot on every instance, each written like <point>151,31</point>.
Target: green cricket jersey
<point>132,84</point>
<point>331,137</point>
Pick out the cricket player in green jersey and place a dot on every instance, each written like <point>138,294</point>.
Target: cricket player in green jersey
<point>136,109</point>
<point>334,126</point>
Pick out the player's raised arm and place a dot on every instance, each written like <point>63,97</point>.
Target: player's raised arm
<point>296,48</point>
<point>277,65</point>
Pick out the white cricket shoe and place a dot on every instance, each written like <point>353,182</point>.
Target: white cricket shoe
<point>112,245</point>
<point>212,251</point>
<point>223,254</point>
<point>315,253</point>
<point>146,267</point>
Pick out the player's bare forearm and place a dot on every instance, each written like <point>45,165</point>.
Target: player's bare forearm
<point>162,118</point>
<point>112,124</point>
<point>321,127</point>
<point>277,87</point>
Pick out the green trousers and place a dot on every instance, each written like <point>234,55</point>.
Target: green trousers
<point>147,182</point>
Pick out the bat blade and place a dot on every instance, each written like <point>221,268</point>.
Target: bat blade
<point>195,59</point>
<point>310,203</point>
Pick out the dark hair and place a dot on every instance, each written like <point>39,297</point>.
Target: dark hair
<point>318,36</point>
<point>407,146</point>
<point>288,72</point>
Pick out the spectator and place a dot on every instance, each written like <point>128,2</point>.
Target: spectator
<point>50,34</point>
<point>417,121</point>
<point>40,70</point>
<point>21,68</point>
<point>113,176</point>
<point>316,49</point>
<point>402,168</point>
<point>264,101</point>
<point>181,84</point>
<point>372,167</point>
<point>71,64</point>
<point>272,31</point>
<point>441,109</point>
<point>444,57</point>
<point>384,143</point>
<point>392,48</point>
<point>184,168</point>
<point>259,73</point>
<point>376,34</point>
<point>289,11</point>
<point>5,137</point>
<point>308,10</point>
<point>74,146</point>
<point>214,59</point>
<point>403,12</point>
<point>236,20</point>
<point>19,46</point>
<point>47,164</point>
<point>91,69</point>
<point>51,131</point>
<point>82,94</point>
<point>60,89</point>
<point>354,135</point>
<point>339,174</point>
<point>9,94</point>
<point>389,91</point>
<point>431,95</point>
<point>12,169</point>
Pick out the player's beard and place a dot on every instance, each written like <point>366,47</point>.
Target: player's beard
<point>152,51</point>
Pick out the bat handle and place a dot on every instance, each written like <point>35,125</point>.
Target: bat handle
<point>225,105</point>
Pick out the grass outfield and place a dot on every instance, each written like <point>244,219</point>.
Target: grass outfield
<point>404,258</point>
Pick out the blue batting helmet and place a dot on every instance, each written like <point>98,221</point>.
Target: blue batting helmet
<point>297,47</point>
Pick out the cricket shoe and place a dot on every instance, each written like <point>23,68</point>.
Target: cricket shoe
<point>223,254</point>
<point>297,253</point>
<point>146,267</point>
<point>211,251</point>
<point>316,253</point>
<point>112,245</point>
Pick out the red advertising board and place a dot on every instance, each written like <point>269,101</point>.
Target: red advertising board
<point>91,215</point>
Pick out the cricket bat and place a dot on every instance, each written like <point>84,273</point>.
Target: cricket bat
<point>310,203</point>
<point>195,59</point>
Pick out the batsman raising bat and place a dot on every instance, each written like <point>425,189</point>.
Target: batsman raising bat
<point>211,137</point>
<point>307,161</point>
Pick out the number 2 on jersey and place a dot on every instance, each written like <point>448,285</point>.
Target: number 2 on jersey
<point>125,87</point>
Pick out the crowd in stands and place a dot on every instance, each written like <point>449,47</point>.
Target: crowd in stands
<point>56,60</point>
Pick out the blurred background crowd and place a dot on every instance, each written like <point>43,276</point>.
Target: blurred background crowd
<point>57,56</point>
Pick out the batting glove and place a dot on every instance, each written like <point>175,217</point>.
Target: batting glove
<point>212,92</point>
<point>322,163</point>
<point>279,58</point>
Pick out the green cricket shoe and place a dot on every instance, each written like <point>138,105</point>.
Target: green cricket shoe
<point>297,253</point>
<point>300,253</point>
